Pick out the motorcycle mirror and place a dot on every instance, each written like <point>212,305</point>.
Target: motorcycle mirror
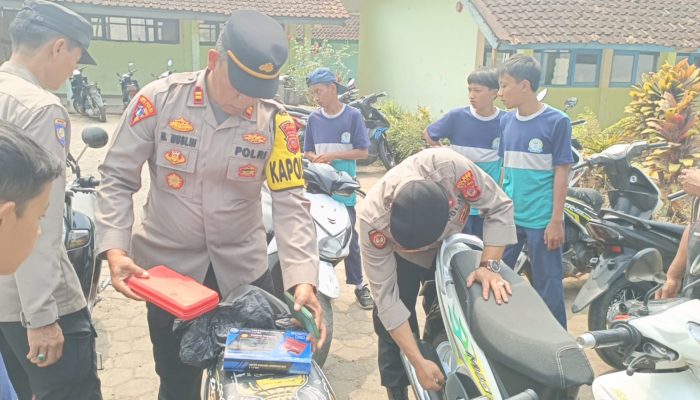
<point>130,64</point>
<point>95,137</point>
<point>571,102</point>
<point>695,267</point>
<point>170,63</point>
<point>351,83</point>
<point>542,94</point>
<point>646,266</point>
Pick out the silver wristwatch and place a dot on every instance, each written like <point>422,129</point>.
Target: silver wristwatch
<point>491,265</point>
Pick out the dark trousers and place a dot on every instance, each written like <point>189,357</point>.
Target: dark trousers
<point>72,377</point>
<point>409,277</point>
<point>179,381</point>
<point>353,262</point>
<point>474,226</point>
<point>547,269</point>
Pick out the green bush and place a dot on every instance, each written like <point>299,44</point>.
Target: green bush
<point>305,57</point>
<point>593,139</point>
<point>406,128</point>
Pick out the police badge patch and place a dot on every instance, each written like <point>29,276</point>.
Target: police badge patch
<point>142,110</point>
<point>60,128</point>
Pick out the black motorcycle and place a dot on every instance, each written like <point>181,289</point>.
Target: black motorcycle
<point>377,126</point>
<point>623,230</point>
<point>87,97</point>
<point>79,219</point>
<point>128,84</point>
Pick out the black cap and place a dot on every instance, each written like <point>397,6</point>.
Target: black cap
<point>419,214</point>
<point>256,48</point>
<point>62,20</point>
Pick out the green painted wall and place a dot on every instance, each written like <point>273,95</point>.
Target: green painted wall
<point>609,106</point>
<point>418,51</point>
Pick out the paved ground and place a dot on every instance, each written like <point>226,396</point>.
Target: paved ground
<point>128,372</point>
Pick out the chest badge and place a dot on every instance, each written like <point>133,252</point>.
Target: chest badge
<point>247,171</point>
<point>345,138</point>
<point>378,239</point>
<point>175,157</point>
<point>181,125</point>
<point>255,138</point>
<point>174,181</point>
<point>496,143</point>
<point>535,146</point>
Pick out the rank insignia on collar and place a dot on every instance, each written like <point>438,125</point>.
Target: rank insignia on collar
<point>466,185</point>
<point>248,113</point>
<point>181,125</point>
<point>174,181</point>
<point>255,138</point>
<point>175,157</point>
<point>60,127</point>
<point>142,110</point>
<point>198,96</point>
<point>378,239</point>
<point>247,171</point>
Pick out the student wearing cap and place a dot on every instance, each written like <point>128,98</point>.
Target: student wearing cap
<point>403,220</point>
<point>210,142</point>
<point>336,134</point>
<point>46,334</point>
<point>26,174</point>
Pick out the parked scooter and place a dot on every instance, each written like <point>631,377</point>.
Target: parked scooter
<point>660,339</point>
<point>168,71</point>
<point>622,231</point>
<point>377,126</point>
<point>333,233</point>
<point>128,84</point>
<point>79,219</point>
<point>515,350</point>
<point>87,97</point>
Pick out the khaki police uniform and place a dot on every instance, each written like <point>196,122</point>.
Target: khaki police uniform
<point>205,180</point>
<point>467,186</point>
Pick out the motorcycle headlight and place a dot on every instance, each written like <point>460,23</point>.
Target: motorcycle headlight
<point>333,248</point>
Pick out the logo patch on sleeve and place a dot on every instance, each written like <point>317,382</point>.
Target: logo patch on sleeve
<point>60,127</point>
<point>291,136</point>
<point>466,185</point>
<point>142,110</point>
<point>378,239</point>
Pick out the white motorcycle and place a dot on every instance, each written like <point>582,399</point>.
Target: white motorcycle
<point>660,338</point>
<point>333,233</point>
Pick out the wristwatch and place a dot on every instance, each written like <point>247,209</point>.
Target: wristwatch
<point>491,265</point>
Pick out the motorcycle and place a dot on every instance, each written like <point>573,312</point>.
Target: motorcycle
<point>128,84</point>
<point>87,97</point>
<point>168,71</point>
<point>660,339</point>
<point>333,233</point>
<point>377,126</point>
<point>622,231</point>
<point>79,219</point>
<point>487,351</point>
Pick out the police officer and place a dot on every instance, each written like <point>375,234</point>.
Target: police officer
<point>403,220</point>
<point>46,336</point>
<point>210,142</point>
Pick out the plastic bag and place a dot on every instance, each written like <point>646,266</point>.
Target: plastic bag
<point>204,338</point>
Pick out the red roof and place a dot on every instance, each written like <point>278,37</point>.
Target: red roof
<point>624,22</point>
<point>326,9</point>
<point>350,30</point>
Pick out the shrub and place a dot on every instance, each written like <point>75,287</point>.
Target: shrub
<point>405,133</point>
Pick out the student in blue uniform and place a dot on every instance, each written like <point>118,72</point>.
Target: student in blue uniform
<point>474,131</point>
<point>536,150</point>
<point>336,135</point>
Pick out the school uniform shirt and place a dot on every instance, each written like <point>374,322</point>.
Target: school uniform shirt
<point>531,147</point>
<point>465,184</point>
<point>472,136</point>
<point>344,131</point>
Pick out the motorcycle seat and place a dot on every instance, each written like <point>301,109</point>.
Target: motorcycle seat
<point>521,335</point>
<point>665,227</point>
<point>588,196</point>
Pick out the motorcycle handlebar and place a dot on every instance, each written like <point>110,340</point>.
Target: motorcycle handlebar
<point>579,166</point>
<point>659,145</point>
<point>619,336</point>
<point>578,122</point>
<point>677,195</point>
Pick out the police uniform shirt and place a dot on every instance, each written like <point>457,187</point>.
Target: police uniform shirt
<point>531,147</point>
<point>204,201</point>
<point>466,185</point>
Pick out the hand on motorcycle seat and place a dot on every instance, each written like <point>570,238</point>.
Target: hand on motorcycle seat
<point>670,289</point>
<point>122,268</point>
<point>491,281</point>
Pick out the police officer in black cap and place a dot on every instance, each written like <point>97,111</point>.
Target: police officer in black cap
<point>46,335</point>
<point>210,141</point>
